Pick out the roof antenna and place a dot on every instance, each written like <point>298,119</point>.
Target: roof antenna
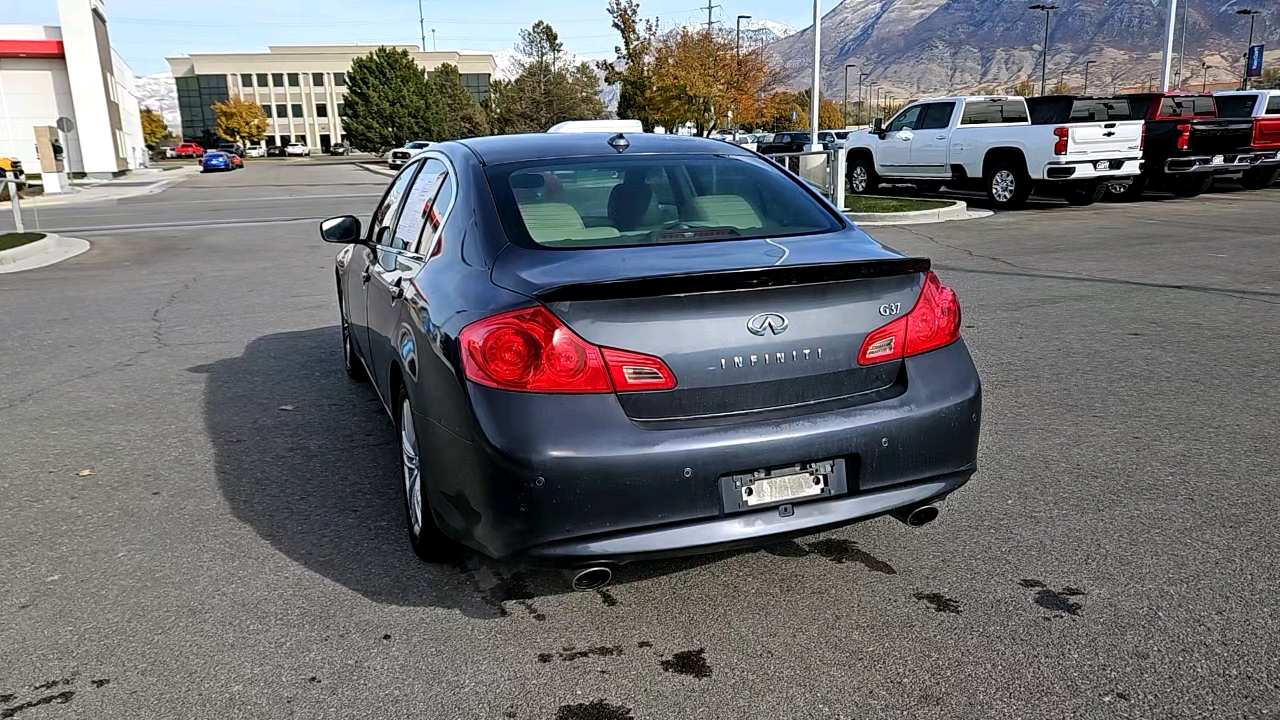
<point>619,142</point>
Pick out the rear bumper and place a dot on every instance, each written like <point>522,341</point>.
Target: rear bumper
<point>1222,163</point>
<point>569,479</point>
<point>1117,169</point>
<point>1268,157</point>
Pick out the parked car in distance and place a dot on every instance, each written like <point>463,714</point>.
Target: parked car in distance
<point>11,167</point>
<point>217,160</point>
<point>1264,107</point>
<point>188,150</point>
<point>255,151</point>
<point>1187,144</point>
<point>275,151</point>
<point>401,155</point>
<point>618,319</point>
<point>297,150</point>
<point>168,152</point>
<point>784,142</point>
<point>990,142</point>
<point>233,148</point>
<point>339,149</point>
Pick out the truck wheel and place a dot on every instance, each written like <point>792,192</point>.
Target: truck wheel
<point>862,177</point>
<point>1085,192</point>
<point>1007,185</point>
<point>1190,187</point>
<point>1259,178</point>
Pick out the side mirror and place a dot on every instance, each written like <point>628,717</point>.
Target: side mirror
<point>344,229</point>
<point>877,126</point>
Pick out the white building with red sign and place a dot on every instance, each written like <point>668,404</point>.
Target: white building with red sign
<point>69,70</point>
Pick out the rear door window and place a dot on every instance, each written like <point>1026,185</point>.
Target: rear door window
<point>657,200</point>
<point>937,116</point>
<point>1236,106</point>
<point>417,205</point>
<point>990,112</point>
<point>379,227</point>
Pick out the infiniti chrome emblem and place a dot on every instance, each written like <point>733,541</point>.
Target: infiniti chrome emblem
<point>767,322</point>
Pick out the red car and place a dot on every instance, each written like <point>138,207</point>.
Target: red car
<point>188,150</point>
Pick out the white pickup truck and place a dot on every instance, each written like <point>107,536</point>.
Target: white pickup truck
<point>962,142</point>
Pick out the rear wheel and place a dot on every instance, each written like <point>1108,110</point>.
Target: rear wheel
<point>862,177</point>
<point>424,536</point>
<point>1086,192</point>
<point>1007,184</point>
<point>1259,178</point>
<point>1191,186</point>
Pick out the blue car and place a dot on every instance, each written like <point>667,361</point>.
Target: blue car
<point>219,161</point>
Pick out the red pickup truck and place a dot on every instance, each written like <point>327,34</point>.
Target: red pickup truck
<point>1264,107</point>
<point>188,149</point>
<point>1188,143</point>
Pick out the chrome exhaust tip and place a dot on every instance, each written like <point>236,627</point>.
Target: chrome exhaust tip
<point>592,578</point>
<point>916,516</point>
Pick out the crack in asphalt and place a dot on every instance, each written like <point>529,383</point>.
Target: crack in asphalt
<point>1031,272</point>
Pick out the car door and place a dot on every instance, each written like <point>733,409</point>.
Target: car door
<point>929,146</point>
<point>894,154</point>
<point>361,261</point>
<point>398,261</point>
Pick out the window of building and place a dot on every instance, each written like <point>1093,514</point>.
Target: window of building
<point>196,96</point>
<point>478,84</point>
<point>262,80</point>
<point>300,139</point>
<point>246,79</point>
<point>266,110</point>
<point>317,79</point>
<point>277,79</point>
<point>341,108</point>
<point>322,110</point>
<point>282,110</point>
<point>297,110</point>
<point>340,79</point>
<point>293,79</point>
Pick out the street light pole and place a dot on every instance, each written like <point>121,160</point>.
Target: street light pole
<point>1166,68</point>
<point>815,102</point>
<point>1204,75</point>
<point>1182,50</point>
<point>1253,14</point>
<point>862,76</point>
<point>738,43</point>
<point>422,28</point>
<point>846,93</point>
<point>1087,63</point>
<point>1062,81</point>
<point>1044,55</point>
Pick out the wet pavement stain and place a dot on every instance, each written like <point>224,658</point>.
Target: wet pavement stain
<point>61,698</point>
<point>103,682</point>
<point>941,603</point>
<point>595,710</point>
<point>689,662</point>
<point>52,684</point>
<point>644,644</point>
<point>569,654</point>
<point>607,597</point>
<point>1058,602</point>
<point>841,551</point>
<point>512,589</point>
<point>7,697</point>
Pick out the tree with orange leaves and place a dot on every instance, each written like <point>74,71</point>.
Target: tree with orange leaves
<point>700,76</point>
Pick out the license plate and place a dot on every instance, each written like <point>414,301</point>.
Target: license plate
<point>1103,165</point>
<point>1219,159</point>
<point>782,487</point>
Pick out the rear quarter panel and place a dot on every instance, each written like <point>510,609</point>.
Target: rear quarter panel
<point>971,143</point>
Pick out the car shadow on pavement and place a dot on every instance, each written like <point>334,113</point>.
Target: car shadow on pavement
<point>307,458</point>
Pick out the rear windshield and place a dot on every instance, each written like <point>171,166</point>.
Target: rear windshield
<point>986,112</point>
<point>1236,106</point>
<point>1187,107</point>
<point>654,200</point>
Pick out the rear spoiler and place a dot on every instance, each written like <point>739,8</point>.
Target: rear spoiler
<point>732,280</point>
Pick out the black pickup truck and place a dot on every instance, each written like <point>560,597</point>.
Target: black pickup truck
<point>1187,144</point>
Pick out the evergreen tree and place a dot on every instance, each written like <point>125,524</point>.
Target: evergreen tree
<point>546,92</point>
<point>632,71</point>
<point>389,102</point>
<point>461,115</point>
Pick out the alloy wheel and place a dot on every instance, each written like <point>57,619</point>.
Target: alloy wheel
<point>411,467</point>
<point>1003,186</point>
<point>858,179</point>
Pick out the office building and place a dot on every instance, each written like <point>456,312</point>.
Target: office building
<point>301,88</point>
<point>69,70</point>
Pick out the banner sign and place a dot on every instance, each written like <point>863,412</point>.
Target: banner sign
<point>1255,61</point>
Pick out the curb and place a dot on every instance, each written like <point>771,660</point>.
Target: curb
<point>957,210</point>
<point>130,192</point>
<point>48,250</point>
<point>387,172</point>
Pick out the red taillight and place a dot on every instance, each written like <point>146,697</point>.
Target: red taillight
<point>1184,135</point>
<point>1060,147</point>
<point>1142,137</point>
<point>933,323</point>
<point>530,350</point>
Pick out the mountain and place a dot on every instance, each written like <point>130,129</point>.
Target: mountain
<point>159,93</point>
<point>922,47</point>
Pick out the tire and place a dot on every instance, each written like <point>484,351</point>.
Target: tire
<point>425,538</point>
<point>1259,178</point>
<point>862,176</point>
<point>1085,192</point>
<point>1132,192</point>
<point>1007,185</point>
<point>351,361</point>
<point>1190,187</point>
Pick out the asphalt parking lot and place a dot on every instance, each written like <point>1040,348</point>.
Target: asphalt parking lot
<point>202,515</point>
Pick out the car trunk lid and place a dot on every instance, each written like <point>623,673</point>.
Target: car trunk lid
<point>1224,135</point>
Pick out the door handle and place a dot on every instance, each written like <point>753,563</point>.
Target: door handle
<point>365,276</point>
<point>939,137</point>
<point>396,291</point>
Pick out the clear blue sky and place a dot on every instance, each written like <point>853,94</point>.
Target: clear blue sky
<point>144,32</point>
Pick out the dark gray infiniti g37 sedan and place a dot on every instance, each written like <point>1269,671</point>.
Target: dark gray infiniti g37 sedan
<point>601,348</point>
